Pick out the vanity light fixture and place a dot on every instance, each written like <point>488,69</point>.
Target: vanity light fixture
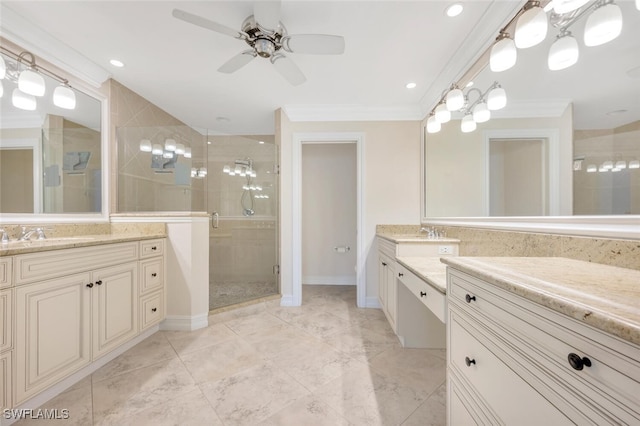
<point>1,89</point>
<point>467,124</point>
<point>170,144</point>
<point>442,114</point>
<point>564,52</point>
<point>64,97</point>
<point>157,149</point>
<point>145,145</point>
<point>187,152</point>
<point>31,83</point>
<point>454,99</point>
<point>634,164</point>
<point>433,125</point>
<point>199,173</point>
<point>607,165</point>
<point>481,112</point>
<point>566,6</point>
<point>531,26</point>
<point>179,149</point>
<point>3,68</point>
<point>167,154</point>
<point>621,164</point>
<point>591,168</point>
<point>603,24</point>
<point>22,100</point>
<point>503,54</point>
<point>497,98</point>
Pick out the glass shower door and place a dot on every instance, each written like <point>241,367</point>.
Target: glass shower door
<point>242,200</point>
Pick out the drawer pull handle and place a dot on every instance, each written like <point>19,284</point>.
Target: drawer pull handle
<point>90,285</point>
<point>154,274</point>
<point>577,362</point>
<point>400,274</point>
<point>423,293</point>
<point>154,248</point>
<point>469,298</point>
<point>469,361</point>
<point>154,309</point>
<point>99,282</point>
<point>384,264</point>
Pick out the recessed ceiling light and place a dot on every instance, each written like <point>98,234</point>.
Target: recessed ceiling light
<point>208,142</point>
<point>222,120</point>
<point>469,84</point>
<point>411,85</point>
<point>454,10</point>
<point>116,63</point>
<point>261,142</point>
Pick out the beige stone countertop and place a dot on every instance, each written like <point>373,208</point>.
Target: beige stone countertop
<point>22,247</point>
<point>429,269</point>
<point>604,297</point>
<point>413,238</point>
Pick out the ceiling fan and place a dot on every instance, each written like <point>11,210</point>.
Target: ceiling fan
<point>268,38</point>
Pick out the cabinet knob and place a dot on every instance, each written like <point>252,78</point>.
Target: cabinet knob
<point>90,285</point>
<point>154,248</point>
<point>577,362</point>
<point>154,309</point>
<point>384,264</point>
<point>469,298</point>
<point>154,274</point>
<point>423,294</point>
<point>400,274</point>
<point>469,361</point>
<point>99,282</point>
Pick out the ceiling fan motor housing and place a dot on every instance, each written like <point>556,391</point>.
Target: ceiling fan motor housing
<point>264,41</point>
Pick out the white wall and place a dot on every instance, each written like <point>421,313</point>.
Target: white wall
<point>392,178</point>
<point>329,207</point>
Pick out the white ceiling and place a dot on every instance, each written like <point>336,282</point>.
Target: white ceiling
<point>173,64</point>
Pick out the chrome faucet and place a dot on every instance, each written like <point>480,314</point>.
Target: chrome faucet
<point>25,234</point>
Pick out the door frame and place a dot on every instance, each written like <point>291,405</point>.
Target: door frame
<point>320,138</point>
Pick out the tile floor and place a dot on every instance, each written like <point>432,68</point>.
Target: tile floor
<point>325,363</point>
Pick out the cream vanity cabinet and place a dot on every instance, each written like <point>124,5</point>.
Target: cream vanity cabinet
<point>513,361</point>
<point>75,305</point>
<point>6,328</point>
<point>387,280</point>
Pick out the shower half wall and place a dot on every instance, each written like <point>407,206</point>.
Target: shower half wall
<point>242,196</point>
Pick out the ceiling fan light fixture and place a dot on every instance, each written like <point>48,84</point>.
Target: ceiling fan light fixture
<point>532,25</point>
<point>481,113</point>
<point>31,83</point>
<point>603,25</point>
<point>264,48</point>
<point>564,52</point>
<point>433,125</point>
<point>497,99</point>
<point>22,100</point>
<point>467,125</point>
<point>442,114</point>
<point>455,99</point>
<point>503,53</point>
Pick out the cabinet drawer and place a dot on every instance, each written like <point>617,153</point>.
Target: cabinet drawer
<point>150,248</point>
<point>6,319</point>
<point>151,309</point>
<point>432,298</point>
<point>5,380</point>
<point>500,387</point>
<point>151,275</point>
<point>5,271</point>
<point>58,263</point>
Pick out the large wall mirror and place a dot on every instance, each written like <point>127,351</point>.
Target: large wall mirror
<point>566,144</point>
<point>51,157</point>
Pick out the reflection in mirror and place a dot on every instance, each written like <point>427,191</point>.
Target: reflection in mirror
<point>593,108</point>
<point>50,154</point>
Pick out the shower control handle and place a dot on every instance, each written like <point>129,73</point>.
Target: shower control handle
<point>215,218</point>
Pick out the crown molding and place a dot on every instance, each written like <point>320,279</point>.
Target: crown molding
<point>353,113</point>
<point>497,14</point>
<point>18,30</point>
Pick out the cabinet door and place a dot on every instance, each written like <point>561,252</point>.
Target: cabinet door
<point>6,320</point>
<point>392,295</point>
<point>5,380</point>
<point>52,332</point>
<point>115,307</point>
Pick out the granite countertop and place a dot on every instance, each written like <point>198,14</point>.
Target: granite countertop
<point>15,247</point>
<point>604,297</point>
<point>415,238</point>
<point>430,269</point>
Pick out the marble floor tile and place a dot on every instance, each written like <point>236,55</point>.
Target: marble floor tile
<point>321,324</point>
<point>308,411</point>
<point>249,324</point>
<point>189,341</point>
<point>432,412</point>
<point>222,360</point>
<point>150,351</point>
<point>270,342</point>
<point>77,404</point>
<point>253,395</point>
<point>291,313</point>
<point>117,398</point>
<point>361,343</point>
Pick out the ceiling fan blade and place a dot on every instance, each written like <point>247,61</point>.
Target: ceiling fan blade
<point>317,44</point>
<point>288,69</point>
<point>267,14</point>
<point>238,61</point>
<point>206,23</point>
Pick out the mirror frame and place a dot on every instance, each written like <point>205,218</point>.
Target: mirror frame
<point>614,226</point>
<point>103,215</point>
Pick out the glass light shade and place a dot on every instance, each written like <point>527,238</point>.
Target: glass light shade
<point>634,164</point>
<point>157,149</point>
<point>202,172</point>
<point>481,113</point>
<point>433,125</point>
<point>638,4</point>
<point>187,153</point>
<point>226,169</point>
<point>455,99</point>
<point>3,68</point>
<point>563,53</point>
<point>615,169</point>
<point>180,149</point>
<point>64,97</point>
<point>145,145</point>
<point>503,55</point>
<point>621,164</point>
<point>467,124</point>
<point>21,100</point>
<point>607,165</point>
<point>167,154</point>
<point>531,28</point>
<point>592,168</point>
<point>497,99</point>
<point>443,115</point>
<point>237,170</point>
<point>602,169</point>
<point>31,83</point>
<point>603,25</point>
<point>194,172</point>
<point>1,89</point>
<point>565,6</point>
<point>170,144</point>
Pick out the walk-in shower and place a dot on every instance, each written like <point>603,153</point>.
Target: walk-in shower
<point>242,195</point>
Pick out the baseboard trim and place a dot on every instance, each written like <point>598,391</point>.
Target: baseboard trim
<point>373,302</point>
<point>184,322</point>
<point>328,280</point>
<point>64,384</point>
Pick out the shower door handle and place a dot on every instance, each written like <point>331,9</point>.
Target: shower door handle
<point>215,218</point>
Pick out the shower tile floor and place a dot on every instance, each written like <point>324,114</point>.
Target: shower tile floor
<point>324,363</point>
<point>226,293</point>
